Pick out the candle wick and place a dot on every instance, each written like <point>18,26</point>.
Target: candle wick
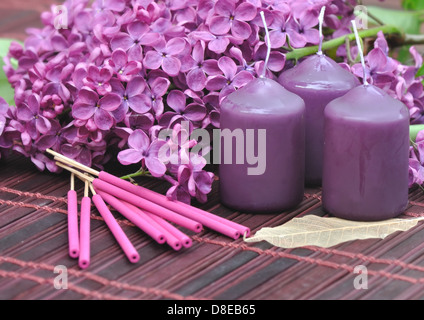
<point>321,35</point>
<point>268,43</point>
<point>361,52</point>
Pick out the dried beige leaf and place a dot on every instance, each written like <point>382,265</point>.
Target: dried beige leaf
<point>322,232</point>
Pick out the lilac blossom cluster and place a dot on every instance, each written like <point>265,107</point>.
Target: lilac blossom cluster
<point>123,70</point>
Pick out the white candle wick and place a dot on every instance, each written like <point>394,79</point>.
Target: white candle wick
<point>361,52</point>
<point>268,42</point>
<point>321,35</point>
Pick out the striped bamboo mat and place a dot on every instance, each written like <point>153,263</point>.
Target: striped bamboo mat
<point>33,241</point>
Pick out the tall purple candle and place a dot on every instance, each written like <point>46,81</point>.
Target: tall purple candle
<point>267,122</point>
<point>366,156</point>
<point>366,153</point>
<point>317,80</point>
<point>263,106</point>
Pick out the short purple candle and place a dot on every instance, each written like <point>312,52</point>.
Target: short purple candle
<point>263,104</point>
<point>366,156</point>
<point>317,80</point>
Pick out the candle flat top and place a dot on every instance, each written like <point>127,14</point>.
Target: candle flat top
<point>265,96</point>
<point>318,72</point>
<point>367,104</point>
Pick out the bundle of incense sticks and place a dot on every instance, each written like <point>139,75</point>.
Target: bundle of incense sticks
<point>152,212</point>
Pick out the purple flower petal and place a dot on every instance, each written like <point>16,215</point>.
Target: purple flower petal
<point>211,67</point>
<point>219,45</point>
<point>153,60</point>
<point>277,61</point>
<point>160,86</point>
<point>136,86</point>
<point>277,38</point>
<point>224,7</point>
<point>245,12</point>
<point>219,25</point>
<point>43,125</point>
<point>241,29</point>
<point>228,67</point>
<point>175,46</point>
<point>216,83</point>
<point>122,41</point>
<point>195,112</point>
<point>140,103</point>
<point>137,29</point>
<point>83,110</point>
<point>110,102</point>
<point>24,113</point>
<point>139,140</point>
<point>196,79</point>
<point>242,78</point>
<point>177,100</point>
<point>171,66</point>
<point>130,156</point>
<point>103,119</point>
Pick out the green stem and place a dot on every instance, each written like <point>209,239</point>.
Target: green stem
<point>141,173</point>
<point>296,54</point>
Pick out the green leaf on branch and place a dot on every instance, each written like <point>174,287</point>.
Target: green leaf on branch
<point>414,130</point>
<point>420,72</point>
<point>407,21</point>
<point>413,4</point>
<point>6,91</point>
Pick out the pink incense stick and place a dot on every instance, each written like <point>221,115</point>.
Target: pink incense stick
<point>209,220</point>
<point>73,232</point>
<point>232,229</point>
<point>84,258</point>
<point>139,221</point>
<point>171,239</point>
<point>116,230</point>
<point>142,203</point>
<point>185,240</point>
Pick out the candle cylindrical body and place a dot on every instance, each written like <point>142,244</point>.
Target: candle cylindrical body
<point>366,156</point>
<point>262,148</point>
<point>317,80</point>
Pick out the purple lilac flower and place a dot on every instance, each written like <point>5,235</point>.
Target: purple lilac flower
<point>164,55</point>
<point>198,68</point>
<point>90,105</point>
<point>138,35</point>
<point>142,149</point>
<point>229,17</point>
<point>126,69</point>
<point>230,80</point>
<point>132,97</point>
<point>29,113</point>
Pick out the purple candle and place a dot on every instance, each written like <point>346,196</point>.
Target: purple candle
<point>317,80</point>
<point>264,105</point>
<point>266,122</point>
<point>366,155</point>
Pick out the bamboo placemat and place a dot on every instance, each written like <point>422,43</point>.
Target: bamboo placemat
<point>33,241</point>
